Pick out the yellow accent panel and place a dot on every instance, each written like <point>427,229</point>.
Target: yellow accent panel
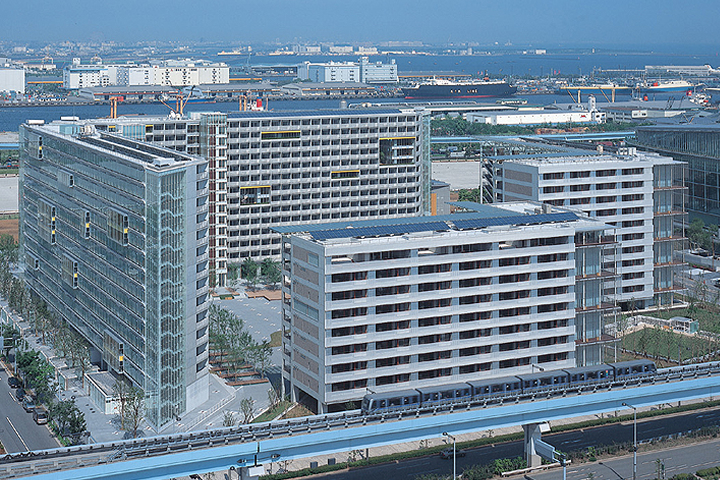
<point>260,186</point>
<point>397,138</point>
<point>345,171</point>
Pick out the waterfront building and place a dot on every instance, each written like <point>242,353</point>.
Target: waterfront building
<point>115,239</point>
<point>364,71</point>
<point>538,117</point>
<point>329,72</point>
<point>278,168</point>
<point>12,80</point>
<point>409,303</point>
<point>328,90</point>
<point>170,73</point>
<point>378,72</point>
<point>699,147</point>
<point>642,195</point>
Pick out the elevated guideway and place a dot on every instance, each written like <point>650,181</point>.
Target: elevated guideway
<point>249,446</point>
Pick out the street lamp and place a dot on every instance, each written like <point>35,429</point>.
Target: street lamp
<point>634,439</point>
<point>446,434</point>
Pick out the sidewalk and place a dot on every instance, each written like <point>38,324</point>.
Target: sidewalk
<point>106,428</point>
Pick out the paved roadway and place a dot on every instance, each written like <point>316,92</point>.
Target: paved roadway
<point>18,431</point>
<point>686,459</point>
<point>575,440</point>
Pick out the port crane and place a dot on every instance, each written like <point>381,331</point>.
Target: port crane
<point>180,101</point>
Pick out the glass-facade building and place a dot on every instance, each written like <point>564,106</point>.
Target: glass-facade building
<point>699,146</point>
<point>115,241</point>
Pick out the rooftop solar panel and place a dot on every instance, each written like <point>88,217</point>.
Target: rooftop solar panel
<point>515,220</point>
<point>374,231</point>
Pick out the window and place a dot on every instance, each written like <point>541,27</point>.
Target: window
<point>469,352</point>
<point>389,326</point>
<point>355,330</point>
<point>47,221</point>
<point>443,337</point>
<point>432,321</point>
<point>348,312</point>
<point>393,343</point>
<point>403,377</point>
<point>87,224</point>
<point>391,362</point>
<point>70,271</point>
<point>481,332</point>
<point>117,227</point>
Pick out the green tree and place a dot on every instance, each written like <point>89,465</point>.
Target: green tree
<point>68,418</point>
<point>121,392</point>
<point>9,248</point>
<point>135,410</point>
<point>249,269</point>
<point>247,409</point>
<point>270,270</point>
<point>38,374</point>
<point>229,419</point>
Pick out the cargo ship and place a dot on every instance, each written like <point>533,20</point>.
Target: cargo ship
<point>441,88</point>
<point>669,86</point>
<point>595,88</point>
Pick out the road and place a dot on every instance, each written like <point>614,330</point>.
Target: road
<point>686,459</point>
<point>18,431</point>
<point>566,441</point>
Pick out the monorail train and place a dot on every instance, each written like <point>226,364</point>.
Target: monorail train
<point>498,387</point>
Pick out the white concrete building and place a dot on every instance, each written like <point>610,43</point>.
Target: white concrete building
<point>12,80</point>
<point>169,73</point>
<point>539,117</point>
<point>329,72</point>
<point>396,304</point>
<point>378,72</point>
<point>273,168</point>
<point>640,194</point>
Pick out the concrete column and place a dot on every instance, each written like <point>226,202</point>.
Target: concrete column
<point>251,473</point>
<point>532,434</point>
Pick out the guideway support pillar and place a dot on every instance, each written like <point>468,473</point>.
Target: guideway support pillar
<point>535,448</point>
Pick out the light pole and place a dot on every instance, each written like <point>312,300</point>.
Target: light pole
<point>446,434</point>
<point>634,439</point>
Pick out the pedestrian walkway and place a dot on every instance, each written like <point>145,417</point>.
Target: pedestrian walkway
<point>106,427</point>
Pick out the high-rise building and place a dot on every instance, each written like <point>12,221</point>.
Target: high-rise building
<point>409,303</point>
<point>699,147</point>
<point>115,238</point>
<point>641,195</point>
<point>279,168</point>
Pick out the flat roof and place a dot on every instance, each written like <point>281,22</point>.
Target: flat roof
<point>484,216</point>
<point>710,128</point>
<point>317,113</point>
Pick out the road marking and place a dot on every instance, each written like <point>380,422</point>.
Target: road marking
<point>16,433</point>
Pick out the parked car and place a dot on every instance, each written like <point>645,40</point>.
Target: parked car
<point>40,415</point>
<point>28,403</point>
<point>448,453</point>
<point>20,394</point>
<point>14,382</point>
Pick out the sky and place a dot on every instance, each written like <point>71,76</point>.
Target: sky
<point>627,24</point>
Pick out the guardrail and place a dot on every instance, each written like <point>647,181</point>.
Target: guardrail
<point>44,461</point>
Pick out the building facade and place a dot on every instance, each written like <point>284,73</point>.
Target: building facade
<point>115,241</point>
<point>12,80</point>
<point>642,195</point>
<point>273,168</point>
<point>378,72</point>
<point>329,72</point>
<point>397,304</point>
<point>699,147</point>
<point>168,73</point>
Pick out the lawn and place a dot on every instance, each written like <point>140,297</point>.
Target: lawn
<point>660,342</point>
<point>707,315</point>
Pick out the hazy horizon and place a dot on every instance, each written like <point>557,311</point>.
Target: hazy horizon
<point>666,25</point>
